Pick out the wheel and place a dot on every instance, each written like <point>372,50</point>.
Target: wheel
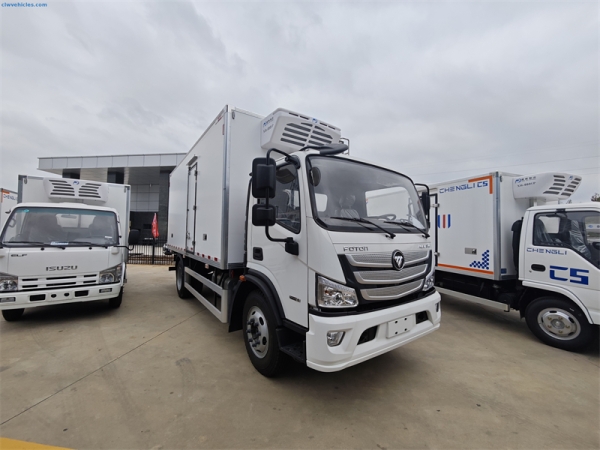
<point>559,323</point>
<point>115,302</point>
<point>180,278</point>
<point>11,315</point>
<point>260,336</point>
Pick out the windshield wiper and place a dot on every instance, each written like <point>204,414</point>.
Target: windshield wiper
<point>363,220</point>
<point>402,223</point>
<point>25,242</point>
<point>86,243</point>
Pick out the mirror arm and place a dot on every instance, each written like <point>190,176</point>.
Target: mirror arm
<point>293,159</point>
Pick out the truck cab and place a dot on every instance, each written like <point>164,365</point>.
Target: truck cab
<point>361,260</point>
<point>559,260</point>
<point>54,251</point>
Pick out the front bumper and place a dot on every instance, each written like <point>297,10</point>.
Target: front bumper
<point>321,357</point>
<point>31,299</point>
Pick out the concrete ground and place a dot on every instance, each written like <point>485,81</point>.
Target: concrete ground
<point>161,372</point>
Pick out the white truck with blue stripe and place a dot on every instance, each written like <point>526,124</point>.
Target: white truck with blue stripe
<point>505,240</point>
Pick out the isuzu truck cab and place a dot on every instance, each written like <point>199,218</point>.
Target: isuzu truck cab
<point>63,242</point>
<point>315,255</point>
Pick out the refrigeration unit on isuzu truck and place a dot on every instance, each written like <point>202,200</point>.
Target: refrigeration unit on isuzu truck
<point>503,239</point>
<point>63,242</point>
<point>274,232</point>
<point>8,199</point>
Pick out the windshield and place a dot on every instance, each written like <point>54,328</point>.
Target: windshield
<point>60,226</point>
<point>347,189</point>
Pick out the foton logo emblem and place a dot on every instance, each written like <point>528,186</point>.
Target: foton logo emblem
<point>397,260</point>
<point>55,268</point>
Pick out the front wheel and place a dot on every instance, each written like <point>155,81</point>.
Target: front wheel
<point>260,336</point>
<point>10,315</point>
<point>115,302</point>
<point>559,323</point>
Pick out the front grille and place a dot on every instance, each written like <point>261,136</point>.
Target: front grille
<point>390,276</point>
<point>384,259</point>
<point>379,285</point>
<point>391,293</point>
<point>56,282</point>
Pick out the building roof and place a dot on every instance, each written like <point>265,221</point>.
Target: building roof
<point>136,168</point>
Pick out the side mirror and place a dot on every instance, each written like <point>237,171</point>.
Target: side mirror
<point>263,215</point>
<point>426,201</point>
<point>134,237</point>
<point>263,178</point>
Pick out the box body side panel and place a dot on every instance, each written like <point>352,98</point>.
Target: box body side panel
<point>178,203</point>
<point>465,226</point>
<point>209,191</point>
<point>244,147</point>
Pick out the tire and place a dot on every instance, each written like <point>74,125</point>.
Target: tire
<point>115,302</point>
<point>12,315</point>
<point>260,336</point>
<point>559,323</point>
<point>182,292</point>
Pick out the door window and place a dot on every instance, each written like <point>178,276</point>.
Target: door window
<point>576,230</point>
<point>287,198</point>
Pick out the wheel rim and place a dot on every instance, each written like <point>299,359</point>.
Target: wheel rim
<point>559,324</point>
<point>257,332</point>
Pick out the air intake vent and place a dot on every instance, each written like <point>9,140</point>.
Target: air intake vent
<point>550,186</point>
<point>61,188</point>
<point>290,131</point>
<point>57,188</point>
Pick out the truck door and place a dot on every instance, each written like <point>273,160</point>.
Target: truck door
<point>287,272</point>
<point>560,250</point>
<point>433,227</point>
<point>190,229</point>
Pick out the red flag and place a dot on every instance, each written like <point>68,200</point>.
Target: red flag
<point>155,227</point>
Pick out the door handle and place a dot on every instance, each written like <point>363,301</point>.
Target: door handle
<point>257,253</point>
<point>538,267</point>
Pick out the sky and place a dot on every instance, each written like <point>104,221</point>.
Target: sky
<point>436,90</point>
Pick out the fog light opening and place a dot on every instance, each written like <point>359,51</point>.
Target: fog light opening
<point>334,338</point>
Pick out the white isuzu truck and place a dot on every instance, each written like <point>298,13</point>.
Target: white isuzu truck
<point>63,242</point>
<point>274,232</point>
<point>504,240</point>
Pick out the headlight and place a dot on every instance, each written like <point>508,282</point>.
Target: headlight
<point>429,281</point>
<point>8,282</point>
<point>335,295</point>
<point>112,275</point>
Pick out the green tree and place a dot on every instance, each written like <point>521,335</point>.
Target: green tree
<point>596,197</point>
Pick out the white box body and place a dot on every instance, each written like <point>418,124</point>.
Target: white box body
<point>471,227</point>
<point>213,232</point>
<point>65,190</point>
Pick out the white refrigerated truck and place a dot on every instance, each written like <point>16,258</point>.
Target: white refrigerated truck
<point>294,254</point>
<point>63,242</point>
<point>503,239</point>
<point>8,199</point>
